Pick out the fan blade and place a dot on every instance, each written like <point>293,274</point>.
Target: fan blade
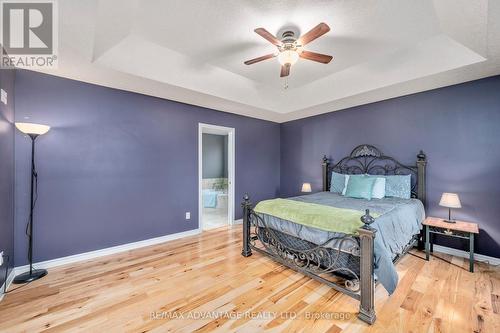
<point>269,36</point>
<point>318,57</point>
<point>285,70</point>
<point>254,60</point>
<point>314,33</point>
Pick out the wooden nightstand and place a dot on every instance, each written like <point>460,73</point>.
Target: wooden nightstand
<point>460,229</point>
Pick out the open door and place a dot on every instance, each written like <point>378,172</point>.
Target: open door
<point>216,176</point>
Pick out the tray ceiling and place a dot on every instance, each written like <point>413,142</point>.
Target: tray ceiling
<point>193,51</point>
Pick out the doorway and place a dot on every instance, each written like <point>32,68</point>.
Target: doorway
<point>215,176</point>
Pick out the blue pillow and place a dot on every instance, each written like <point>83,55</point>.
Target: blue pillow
<point>360,187</point>
<point>398,186</point>
<point>337,182</point>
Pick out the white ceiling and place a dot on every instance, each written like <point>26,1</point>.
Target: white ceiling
<point>193,51</point>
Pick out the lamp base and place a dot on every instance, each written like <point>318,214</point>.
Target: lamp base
<point>449,221</point>
<point>27,277</point>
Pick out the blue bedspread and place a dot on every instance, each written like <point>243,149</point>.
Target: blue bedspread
<point>399,220</point>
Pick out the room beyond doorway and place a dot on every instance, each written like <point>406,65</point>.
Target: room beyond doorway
<point>216,176</point>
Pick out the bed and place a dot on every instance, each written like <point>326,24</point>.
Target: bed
<point>350,260</point>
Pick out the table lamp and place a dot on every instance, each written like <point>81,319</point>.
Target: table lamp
<point>306,187</point>
<point>450,200</point>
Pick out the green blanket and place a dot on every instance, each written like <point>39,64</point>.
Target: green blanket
<point>322,217</point>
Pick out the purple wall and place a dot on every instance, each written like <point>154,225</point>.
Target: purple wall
<point>458,127</point>
<point>7,170</point>
<point>119,167</point>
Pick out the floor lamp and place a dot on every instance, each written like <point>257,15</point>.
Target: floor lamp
<point>33,131</point>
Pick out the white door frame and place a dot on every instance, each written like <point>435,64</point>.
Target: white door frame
<point>220,130</point>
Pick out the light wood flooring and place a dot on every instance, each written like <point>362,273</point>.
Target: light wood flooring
<point>214,218</point>
<point>202,284</point>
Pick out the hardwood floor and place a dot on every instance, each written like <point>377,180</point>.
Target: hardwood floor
<point>149,289</point>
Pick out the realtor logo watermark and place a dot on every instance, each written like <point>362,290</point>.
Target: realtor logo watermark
<point>29,34</point>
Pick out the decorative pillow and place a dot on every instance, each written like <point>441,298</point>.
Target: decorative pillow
<point>345,184</point>
<point>379,188</point>
<point>347,181</point>
<point>360,187</point>
<point>337,183</point>
<point>398,186</point>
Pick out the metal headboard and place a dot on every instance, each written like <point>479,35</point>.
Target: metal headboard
<point>367,159</point>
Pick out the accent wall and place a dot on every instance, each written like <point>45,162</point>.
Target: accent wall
<point>7,78</point>
<point>119,167</point>
<point>458,127</point>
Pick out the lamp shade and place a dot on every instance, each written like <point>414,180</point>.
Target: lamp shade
<point>306,187</point>
<point>288,57</point>
<point>450,200</point>
<point>30,128</point>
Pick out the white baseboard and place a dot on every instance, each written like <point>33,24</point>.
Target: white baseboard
<point>107,251</point>
<point>464,254</point>
<point>240,221</point>
<point>10,278</point>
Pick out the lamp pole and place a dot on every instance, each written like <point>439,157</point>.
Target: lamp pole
<point>33,177</point>
<point>32,274</point>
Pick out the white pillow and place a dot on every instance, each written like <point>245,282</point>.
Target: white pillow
<point>378,191</point>
<point>345,184</point>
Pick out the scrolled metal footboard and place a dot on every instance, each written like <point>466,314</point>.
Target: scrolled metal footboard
<point>343,263</point>
<point>325,258</point>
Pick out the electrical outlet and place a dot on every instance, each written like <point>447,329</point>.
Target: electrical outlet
<point>3,96</point>
<point>188,215</point>
<point>1,258</point>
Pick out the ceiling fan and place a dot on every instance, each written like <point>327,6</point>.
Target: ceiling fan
<point>290,48</point>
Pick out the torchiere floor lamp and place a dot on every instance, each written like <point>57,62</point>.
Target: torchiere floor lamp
<point>33,131</point>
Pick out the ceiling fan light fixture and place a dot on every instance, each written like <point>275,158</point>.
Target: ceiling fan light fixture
<point>288,57</point>
<point>290,48</point>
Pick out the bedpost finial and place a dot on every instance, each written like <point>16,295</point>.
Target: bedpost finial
<point>246,201</point>
<point>325,159</point>
<point>367,219</point>
<point>421,156</point>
